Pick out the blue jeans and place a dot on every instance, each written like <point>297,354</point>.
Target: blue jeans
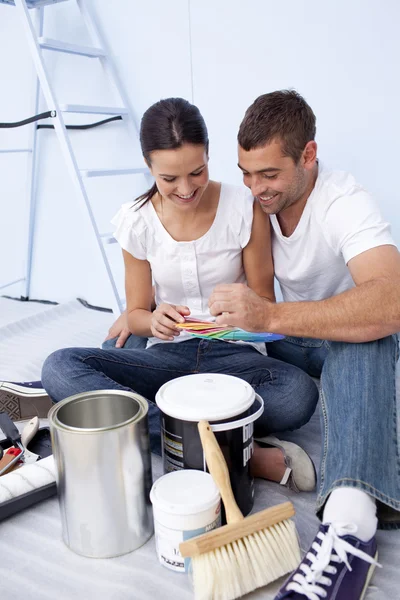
<point>360,416</point>
<point>74,370</point>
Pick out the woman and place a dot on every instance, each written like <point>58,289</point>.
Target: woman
<point>188,234</point>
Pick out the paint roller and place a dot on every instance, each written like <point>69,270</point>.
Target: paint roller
<point>27,478</point>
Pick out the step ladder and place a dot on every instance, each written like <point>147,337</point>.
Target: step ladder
<point>31,15</point>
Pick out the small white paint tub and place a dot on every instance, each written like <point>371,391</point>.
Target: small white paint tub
<point>186,503</point>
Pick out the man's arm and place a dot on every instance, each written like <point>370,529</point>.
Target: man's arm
<point>369,311</point>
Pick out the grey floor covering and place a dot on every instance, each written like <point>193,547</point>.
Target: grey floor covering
<point>34,562</point>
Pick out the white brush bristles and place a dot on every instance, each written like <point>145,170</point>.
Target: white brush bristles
<point>245,565</point>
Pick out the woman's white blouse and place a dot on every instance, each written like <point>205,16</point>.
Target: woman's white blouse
<point>187,272</point>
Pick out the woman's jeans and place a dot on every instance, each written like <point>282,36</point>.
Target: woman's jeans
<point>74,370</point>
<point>359,417</point>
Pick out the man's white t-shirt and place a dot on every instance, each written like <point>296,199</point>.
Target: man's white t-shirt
<point>339,221</point>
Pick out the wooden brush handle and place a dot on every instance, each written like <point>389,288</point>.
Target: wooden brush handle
<point>219,471</point>
<point>217,538</point>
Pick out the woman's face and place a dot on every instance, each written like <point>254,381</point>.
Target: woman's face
<point>181,175</point>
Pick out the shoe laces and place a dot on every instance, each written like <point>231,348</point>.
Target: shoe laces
<point>330,549</point>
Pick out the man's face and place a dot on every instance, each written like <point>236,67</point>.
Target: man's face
<point>274,179</point>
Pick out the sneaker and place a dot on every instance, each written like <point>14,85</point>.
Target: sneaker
<point>338,566</point>
<point>300,474</point>
<point>24,400</point>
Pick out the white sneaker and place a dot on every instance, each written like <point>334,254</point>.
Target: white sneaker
<point>24,400</point>
<point>300,474</point>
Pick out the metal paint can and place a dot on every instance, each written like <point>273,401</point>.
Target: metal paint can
<point>101,448</point>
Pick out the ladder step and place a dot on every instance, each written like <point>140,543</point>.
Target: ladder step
<point>98,110</point>
<point>112,172</point>
<point>33,3</point>
<point>58,46</point>
<point>15,151</point>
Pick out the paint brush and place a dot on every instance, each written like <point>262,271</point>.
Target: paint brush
<point>247,553</point>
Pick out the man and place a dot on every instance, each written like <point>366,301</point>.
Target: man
<point>339,272</point>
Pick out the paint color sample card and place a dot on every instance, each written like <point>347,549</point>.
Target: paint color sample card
<point>209,330</point>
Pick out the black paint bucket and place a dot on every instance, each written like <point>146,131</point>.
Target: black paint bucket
<point>231,406</point>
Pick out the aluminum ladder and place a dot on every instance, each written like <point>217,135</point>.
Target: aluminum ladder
<point>33,28</point>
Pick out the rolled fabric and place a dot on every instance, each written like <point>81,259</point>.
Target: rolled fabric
<point>27,478</point>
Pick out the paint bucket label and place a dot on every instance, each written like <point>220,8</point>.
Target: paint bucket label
<point>181,449</point>
<point>168,540</point>
<point>173,451</point>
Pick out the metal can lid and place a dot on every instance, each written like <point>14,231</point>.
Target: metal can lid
<point>97,411</point>
<point>185,492</point>
<point>209,396</point>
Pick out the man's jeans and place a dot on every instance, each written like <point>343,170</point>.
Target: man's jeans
<point>360,416</point>
<point>74,370</point>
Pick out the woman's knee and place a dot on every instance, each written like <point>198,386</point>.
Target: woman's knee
<point>56,371</point>
<point>133,342</point>
<point>107,344</point>
<point>292,404</point>
<point>304,401</point>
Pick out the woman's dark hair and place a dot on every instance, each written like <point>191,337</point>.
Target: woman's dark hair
<point>167,125</point>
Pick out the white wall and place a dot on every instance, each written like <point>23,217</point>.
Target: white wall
<point>343,57</point>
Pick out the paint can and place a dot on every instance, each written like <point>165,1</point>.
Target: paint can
<point>186,503</point>
<point>231,406</point>
<point>102,454</point>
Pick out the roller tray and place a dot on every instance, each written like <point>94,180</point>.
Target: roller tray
<point>40,444</point>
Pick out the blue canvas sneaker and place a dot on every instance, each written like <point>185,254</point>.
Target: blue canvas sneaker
<point>338,566</point>
<point>24,400</point>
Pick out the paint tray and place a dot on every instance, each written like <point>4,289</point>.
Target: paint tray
<point>40,444</point>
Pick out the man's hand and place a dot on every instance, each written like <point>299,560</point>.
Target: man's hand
<point>164,319</point>
<point>120,330</point>
<point>238,306</point>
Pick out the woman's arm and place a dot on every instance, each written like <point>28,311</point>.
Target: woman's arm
<point>257,256</point>
<point>119,329</point>
<point>139,300</point>
<point>138,294</point>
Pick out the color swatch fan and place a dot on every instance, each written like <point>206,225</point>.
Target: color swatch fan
<point>209,330</point>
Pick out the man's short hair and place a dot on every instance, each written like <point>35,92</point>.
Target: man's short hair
<point>283,115</point>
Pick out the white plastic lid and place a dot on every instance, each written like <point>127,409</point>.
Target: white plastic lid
<point>184,492</point>
<point>208,396</point>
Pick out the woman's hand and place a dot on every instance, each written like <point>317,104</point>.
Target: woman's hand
<point>164,319</point>
<point>119,329</point>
